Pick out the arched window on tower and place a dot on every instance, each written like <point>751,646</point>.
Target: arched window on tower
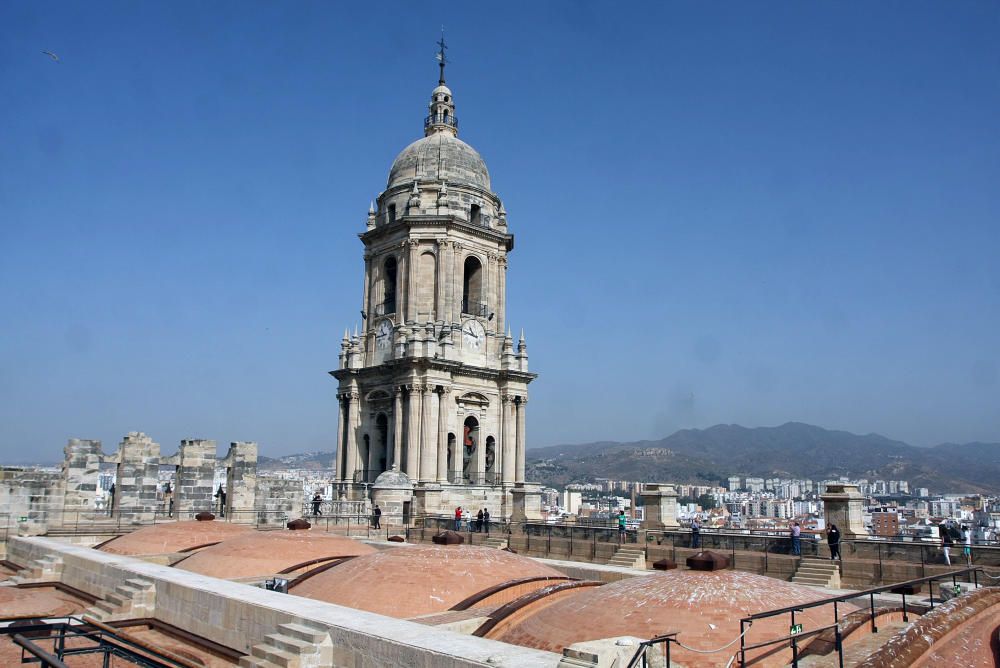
<point>389,286</point>
<point>472,287</point>
<point>475,215</point>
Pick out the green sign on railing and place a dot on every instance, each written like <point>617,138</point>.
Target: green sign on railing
<point>794,629</point>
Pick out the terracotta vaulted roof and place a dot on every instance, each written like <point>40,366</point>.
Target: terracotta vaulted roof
<point>173,537</point>
<point>268,552</point>
<point>411,581</point>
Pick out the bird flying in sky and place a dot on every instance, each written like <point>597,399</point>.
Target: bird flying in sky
<point>51,55</point>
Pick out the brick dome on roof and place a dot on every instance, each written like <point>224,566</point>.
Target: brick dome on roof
<point>406,582</point>
<point>269,552</point>
<point>688,602</point>
<point>173,537</point>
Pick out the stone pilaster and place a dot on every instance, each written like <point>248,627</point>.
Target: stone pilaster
<point>241,479</point>
<point>660,507</point>
<point>80,472</point>
<point>137,484</point>
<point>195,475</point>
<point>843,505</point>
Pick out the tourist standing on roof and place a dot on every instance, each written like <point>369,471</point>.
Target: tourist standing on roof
<point>796,539</point>
<point>946,543</point>
<point>833,538</point>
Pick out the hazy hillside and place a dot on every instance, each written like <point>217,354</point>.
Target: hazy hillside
<point>708,456</point>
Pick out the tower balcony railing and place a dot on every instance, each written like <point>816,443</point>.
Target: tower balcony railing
<point>480,309</point>
<point>441,119</point>
<point>387,307</point>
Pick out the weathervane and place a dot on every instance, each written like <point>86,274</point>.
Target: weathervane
<point>440,56</point>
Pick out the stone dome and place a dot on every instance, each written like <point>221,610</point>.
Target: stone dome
<point>269,552</point>
<point>439,157</point>
<point>704,607</point>
<point>173,537</point>
<point>392,479</point>
<point>405,582</point>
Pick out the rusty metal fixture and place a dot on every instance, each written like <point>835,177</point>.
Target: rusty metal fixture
<point>204,517</point>
<point>448,538</point>
<point>706,560</point>
<point>664,564</point>
<point>396,539</point>
<point>298,525</point>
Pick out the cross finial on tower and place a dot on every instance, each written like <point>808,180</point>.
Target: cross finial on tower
<point>441,57</point>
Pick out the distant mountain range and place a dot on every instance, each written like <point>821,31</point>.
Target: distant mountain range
<point>306,460</point>
<point>792,450</point>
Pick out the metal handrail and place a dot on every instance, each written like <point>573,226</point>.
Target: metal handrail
<point>834,600</point>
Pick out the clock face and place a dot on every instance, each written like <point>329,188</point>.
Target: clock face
<point>383,335</point>
<point>473,334</point>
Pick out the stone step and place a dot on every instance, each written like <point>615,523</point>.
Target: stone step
<point>256,662</point>
<point>278,657</point>
<point>291,645</point>
<point>304,633</point>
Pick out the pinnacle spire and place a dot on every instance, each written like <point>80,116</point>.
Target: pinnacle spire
<point>441,57</point>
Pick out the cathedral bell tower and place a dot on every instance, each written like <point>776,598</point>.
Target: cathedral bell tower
<point>433,385</point>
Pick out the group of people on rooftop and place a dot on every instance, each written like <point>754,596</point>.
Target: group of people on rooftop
<point>481,523</point>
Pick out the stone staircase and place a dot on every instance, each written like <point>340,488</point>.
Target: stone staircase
<point>43,569</point>
<point>134,598</point>
<point>296,645</point>
<point>818,573</point>
<point>496,543</point>
<point>629,557</point>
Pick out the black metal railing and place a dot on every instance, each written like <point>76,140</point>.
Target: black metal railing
<point>970,575</point>
<point>474,478</point>
<point>480,309</point>
<point>441,119</point>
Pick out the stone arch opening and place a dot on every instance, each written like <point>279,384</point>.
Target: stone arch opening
<point>426,287</point>
<point>491,459</point>
<point>470,442</point>
<point>366,446</point>
<point>381,451</point>
<point>472,286</point>
<point>389,271</point>
<point>451,458</point>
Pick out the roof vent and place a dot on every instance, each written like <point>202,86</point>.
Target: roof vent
<point>708,561</point>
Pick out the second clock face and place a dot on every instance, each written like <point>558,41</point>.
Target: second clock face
<point>383,335</point>
<point>473,334</point>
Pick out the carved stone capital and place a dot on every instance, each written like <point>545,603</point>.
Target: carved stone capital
<point>412,243</point>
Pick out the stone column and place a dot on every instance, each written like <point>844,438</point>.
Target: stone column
<point>366,306</point>
<point>521,444</point>
<point>241,479</point>
<point>502,305</point>
<point>843,505</point>
<point>413,433</point>
<point>341,451</point>
<point>439,273</point>
<point>428,448</point>
<point>660,509</point>
<point>447,276</point>
<point>396,428</point>
<point>457,275</point>
<point>508,443</point>
<point>351,438</point>
<point>411,282</point>
<point>442,442</point>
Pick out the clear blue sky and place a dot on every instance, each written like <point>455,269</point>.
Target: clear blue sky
<point>725,212</point>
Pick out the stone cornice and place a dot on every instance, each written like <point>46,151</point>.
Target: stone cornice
<point>430,364</point>
<point>446,222</point>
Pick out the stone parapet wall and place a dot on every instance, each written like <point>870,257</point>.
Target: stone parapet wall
<point>240,617</point>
